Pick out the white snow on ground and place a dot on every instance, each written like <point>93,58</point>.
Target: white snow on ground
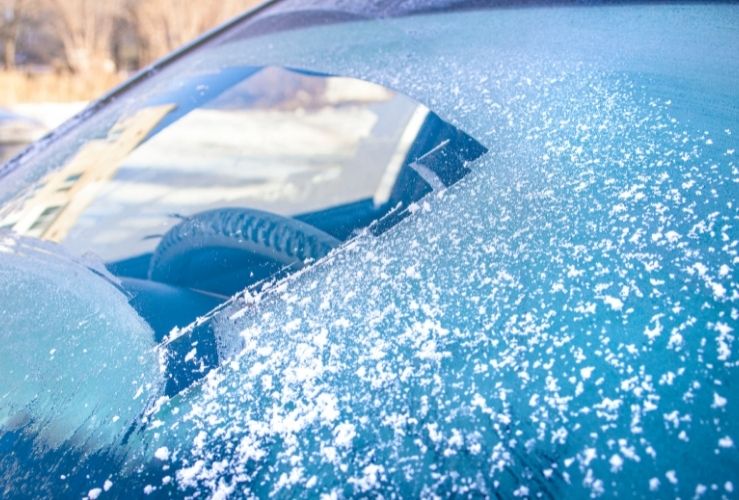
<point>50,114</point>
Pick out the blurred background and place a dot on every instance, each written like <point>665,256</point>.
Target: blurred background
<point>57,55</point>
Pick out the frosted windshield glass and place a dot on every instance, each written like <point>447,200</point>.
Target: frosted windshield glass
<point>235,176</point>
<point>559,322</point>
<point>571,326</point>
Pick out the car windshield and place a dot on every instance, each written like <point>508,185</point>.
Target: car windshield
<point>232,175</point>
<point>462,251</point>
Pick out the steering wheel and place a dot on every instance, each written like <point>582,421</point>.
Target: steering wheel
<point>253,235</point>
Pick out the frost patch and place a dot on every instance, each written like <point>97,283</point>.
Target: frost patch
<point>162,453</point>
<point>726,442</point>
<point>614,302</point>
<point>344,433</point>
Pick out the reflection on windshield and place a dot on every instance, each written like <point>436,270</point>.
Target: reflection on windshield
<point>239,176</point>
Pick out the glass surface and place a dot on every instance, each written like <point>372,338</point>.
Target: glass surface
<point>560,322</point>
<point>16,132</point>
<point>237,175</point>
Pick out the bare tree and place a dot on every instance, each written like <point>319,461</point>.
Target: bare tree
<point>95,35</point>
<point>85,29</point>
<point>12,16</point>
<point>164,25</point>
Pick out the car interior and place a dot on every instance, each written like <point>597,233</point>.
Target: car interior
<point>235,178</point>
